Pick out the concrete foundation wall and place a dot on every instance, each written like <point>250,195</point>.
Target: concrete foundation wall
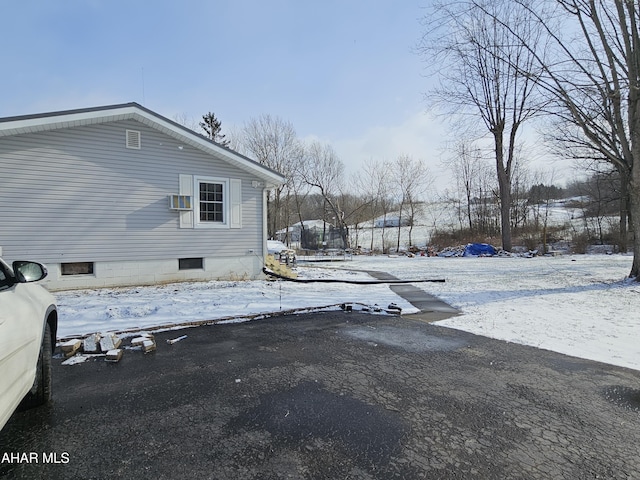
<point>152,272</point>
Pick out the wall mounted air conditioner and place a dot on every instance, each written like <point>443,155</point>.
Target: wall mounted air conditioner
<point>180,202</point>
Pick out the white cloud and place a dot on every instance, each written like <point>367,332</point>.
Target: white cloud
<point>420,136</point>
<point>424,136</point>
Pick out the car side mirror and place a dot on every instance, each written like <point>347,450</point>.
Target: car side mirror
<point>29,271</point>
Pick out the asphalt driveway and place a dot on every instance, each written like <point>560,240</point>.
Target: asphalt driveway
<point>327,396</point>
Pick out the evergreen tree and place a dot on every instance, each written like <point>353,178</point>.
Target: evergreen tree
<point>212,126</point>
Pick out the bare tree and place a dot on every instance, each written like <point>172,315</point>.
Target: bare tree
<point>234,136</point>
<point>355,209</point>
<point>471,167</point>
<point>374,185</point>
<point>539,198</point>
<point>186,121</point>
<point>273,142</point>
<point>479,68</point>
<point>519,190</point>
<point>411,178</point>
<point>300,193</point>
<point>323,170</point>
<point>567,140</point>
<point>600,192</point>
<point>465,166</point>
<point>401,181</point>
<point>593,81</point>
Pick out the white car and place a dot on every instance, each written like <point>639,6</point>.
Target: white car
<point>28,326</point>
<point>280,251</point>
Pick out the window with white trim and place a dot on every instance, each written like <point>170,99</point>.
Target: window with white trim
<point>212,207</point>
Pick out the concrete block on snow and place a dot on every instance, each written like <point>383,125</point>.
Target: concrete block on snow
<point>110,342</point>
<point>148,345</point>
<point>91,344</point>
<point>70,347</point>
<point>114,355</point>
<point>138,341</point>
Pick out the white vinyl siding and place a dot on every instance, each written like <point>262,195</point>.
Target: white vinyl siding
<point>79,195</point>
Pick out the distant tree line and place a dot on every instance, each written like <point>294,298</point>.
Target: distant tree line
<point>317,189</point>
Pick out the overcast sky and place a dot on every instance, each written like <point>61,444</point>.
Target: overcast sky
<point>341,71</point>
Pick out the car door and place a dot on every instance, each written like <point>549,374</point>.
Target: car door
<point>20,332</point>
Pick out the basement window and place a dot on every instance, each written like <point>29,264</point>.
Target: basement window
<point>76,268</point>
<point>190,264</point>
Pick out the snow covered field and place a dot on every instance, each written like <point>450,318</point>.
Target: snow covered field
<point>580,305</point>
<point>445,216</point>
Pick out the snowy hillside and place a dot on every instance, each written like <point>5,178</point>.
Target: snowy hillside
<point>448,216</point>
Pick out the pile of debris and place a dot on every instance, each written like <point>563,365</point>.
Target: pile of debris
<point>282,269</point>
<point>457,251</point>
<point>107,345</point>
<point>482,250</point>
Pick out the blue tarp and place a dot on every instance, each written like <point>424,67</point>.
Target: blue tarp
<point>478,249</point>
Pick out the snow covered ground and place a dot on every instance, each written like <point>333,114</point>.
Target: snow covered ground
<point>117,309</point>
<point>445,216</point>
<point>580,305</point>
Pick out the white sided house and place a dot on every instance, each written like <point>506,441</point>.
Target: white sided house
<point>119,195</point>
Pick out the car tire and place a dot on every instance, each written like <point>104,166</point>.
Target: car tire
<point>41,391</point>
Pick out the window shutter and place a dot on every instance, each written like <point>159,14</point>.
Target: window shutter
<point>235,194</point>
<point>186,188</point>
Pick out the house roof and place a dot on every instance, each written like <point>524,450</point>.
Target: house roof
<point>133,111</point>
<point>308,224</point>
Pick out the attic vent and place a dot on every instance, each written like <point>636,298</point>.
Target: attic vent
<point>133,139</point>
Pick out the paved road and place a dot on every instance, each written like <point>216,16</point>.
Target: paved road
<point>333,396</point>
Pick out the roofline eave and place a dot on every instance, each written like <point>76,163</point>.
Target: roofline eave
<point>132,111</point>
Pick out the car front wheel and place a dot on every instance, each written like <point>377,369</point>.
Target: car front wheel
<point>41,391</point>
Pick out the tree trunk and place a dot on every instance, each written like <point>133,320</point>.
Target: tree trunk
<point>345,236</point>
<point>287,220</point>
<point>384,226</point>
<point>505,210</point>
<point>411,220</point>
<point>469,210</point>
<point>624,211</point>
<point>504,184</point>
<point>271,215</point>
<point>399,229</point>
<point>274,213</point>
<point>373,226</point>
<point>634,210</point>
<point>634,171</point>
